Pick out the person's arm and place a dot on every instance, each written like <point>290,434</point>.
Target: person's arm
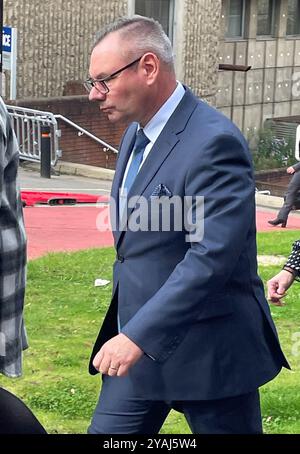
<point>294,168</point>
<point>279,284</point>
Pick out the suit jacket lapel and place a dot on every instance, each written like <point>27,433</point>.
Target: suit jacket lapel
<point>161,149</point>
<point>124,153</point>
<point>163,146</point>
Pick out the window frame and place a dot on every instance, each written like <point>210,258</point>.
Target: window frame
<point>243,22</point>
<point>272,25</point>
<point>171,18</point>
<point>297,34</point>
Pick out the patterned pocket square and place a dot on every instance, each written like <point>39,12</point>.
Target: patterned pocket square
<point>161,191</point>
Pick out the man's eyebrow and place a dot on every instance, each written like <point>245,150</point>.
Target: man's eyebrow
<point>102,76</point>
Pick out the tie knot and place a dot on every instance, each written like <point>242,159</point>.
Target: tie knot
<point>141,141</point>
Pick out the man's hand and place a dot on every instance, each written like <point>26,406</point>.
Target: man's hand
<point>278,285</point>
<point>290,170</point>
<point>117,355</point>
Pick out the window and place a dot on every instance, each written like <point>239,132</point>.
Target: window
<point>236,17</point>
<point>293,20</point>
<point>265,17</point>
<point>161,10</point>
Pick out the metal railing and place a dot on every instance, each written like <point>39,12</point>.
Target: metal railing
<point>27,126</point>
<point>82,131</point>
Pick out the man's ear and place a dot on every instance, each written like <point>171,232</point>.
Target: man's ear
<point>150,64</point>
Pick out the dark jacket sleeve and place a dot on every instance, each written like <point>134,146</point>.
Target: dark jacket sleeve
<point>296,166</point>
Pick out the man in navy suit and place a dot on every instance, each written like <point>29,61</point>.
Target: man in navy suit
<point>188,326</point>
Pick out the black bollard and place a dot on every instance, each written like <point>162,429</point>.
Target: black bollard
<point>45,152</point>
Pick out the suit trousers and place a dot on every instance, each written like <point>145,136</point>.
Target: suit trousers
<point>121,411</point>
<point>290,197</point>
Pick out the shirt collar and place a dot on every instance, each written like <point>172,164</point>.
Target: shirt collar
<point>154,127</point>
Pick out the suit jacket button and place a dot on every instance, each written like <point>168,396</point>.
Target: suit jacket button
<point>120,258</point>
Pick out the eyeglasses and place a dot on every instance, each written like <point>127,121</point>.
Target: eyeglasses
<point>101,84</point>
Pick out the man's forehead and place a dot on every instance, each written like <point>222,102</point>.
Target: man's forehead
<point>110,42</point>
<point>108,56</point>
<point>110,49</point>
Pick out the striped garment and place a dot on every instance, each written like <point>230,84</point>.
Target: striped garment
<point>12,254</point>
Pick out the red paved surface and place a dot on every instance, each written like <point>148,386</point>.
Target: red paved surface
<point>53,229</point>
<point>73,228</point>
<point>262,218</point>
<point>30,198</point>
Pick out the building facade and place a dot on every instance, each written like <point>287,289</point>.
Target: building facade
<point>55,38</point>
<point>264,34</point>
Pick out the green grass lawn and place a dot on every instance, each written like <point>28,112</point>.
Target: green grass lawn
<point>63,313</point>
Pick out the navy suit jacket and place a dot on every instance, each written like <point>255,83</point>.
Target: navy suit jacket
<point>197,309</point>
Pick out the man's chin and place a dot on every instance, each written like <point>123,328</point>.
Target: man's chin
<point>112,116</point>
<point>115,116</point>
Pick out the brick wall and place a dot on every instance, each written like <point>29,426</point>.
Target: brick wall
<point>80,148</point>
<point>271,176</point>
<point>276,181</point>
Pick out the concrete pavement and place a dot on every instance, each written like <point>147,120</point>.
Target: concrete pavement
<point>68,177</point>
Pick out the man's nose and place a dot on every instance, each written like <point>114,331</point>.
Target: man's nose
<point>96,95</point>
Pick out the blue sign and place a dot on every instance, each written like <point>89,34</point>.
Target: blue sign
<point>6,39</point>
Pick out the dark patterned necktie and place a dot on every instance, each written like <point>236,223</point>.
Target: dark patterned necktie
<point>140,144</point>
<point>141,141</point>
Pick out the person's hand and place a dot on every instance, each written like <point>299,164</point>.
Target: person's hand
<point>117,355</point>
<point>290,170</point>
<point>278,285</point>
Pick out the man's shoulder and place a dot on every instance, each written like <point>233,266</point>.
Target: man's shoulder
<point>211,122</point>
<point>206,110</point>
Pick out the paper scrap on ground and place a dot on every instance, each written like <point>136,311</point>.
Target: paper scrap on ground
<point>101,282</point>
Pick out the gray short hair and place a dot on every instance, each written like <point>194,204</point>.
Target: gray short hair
<point>144,33</point>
